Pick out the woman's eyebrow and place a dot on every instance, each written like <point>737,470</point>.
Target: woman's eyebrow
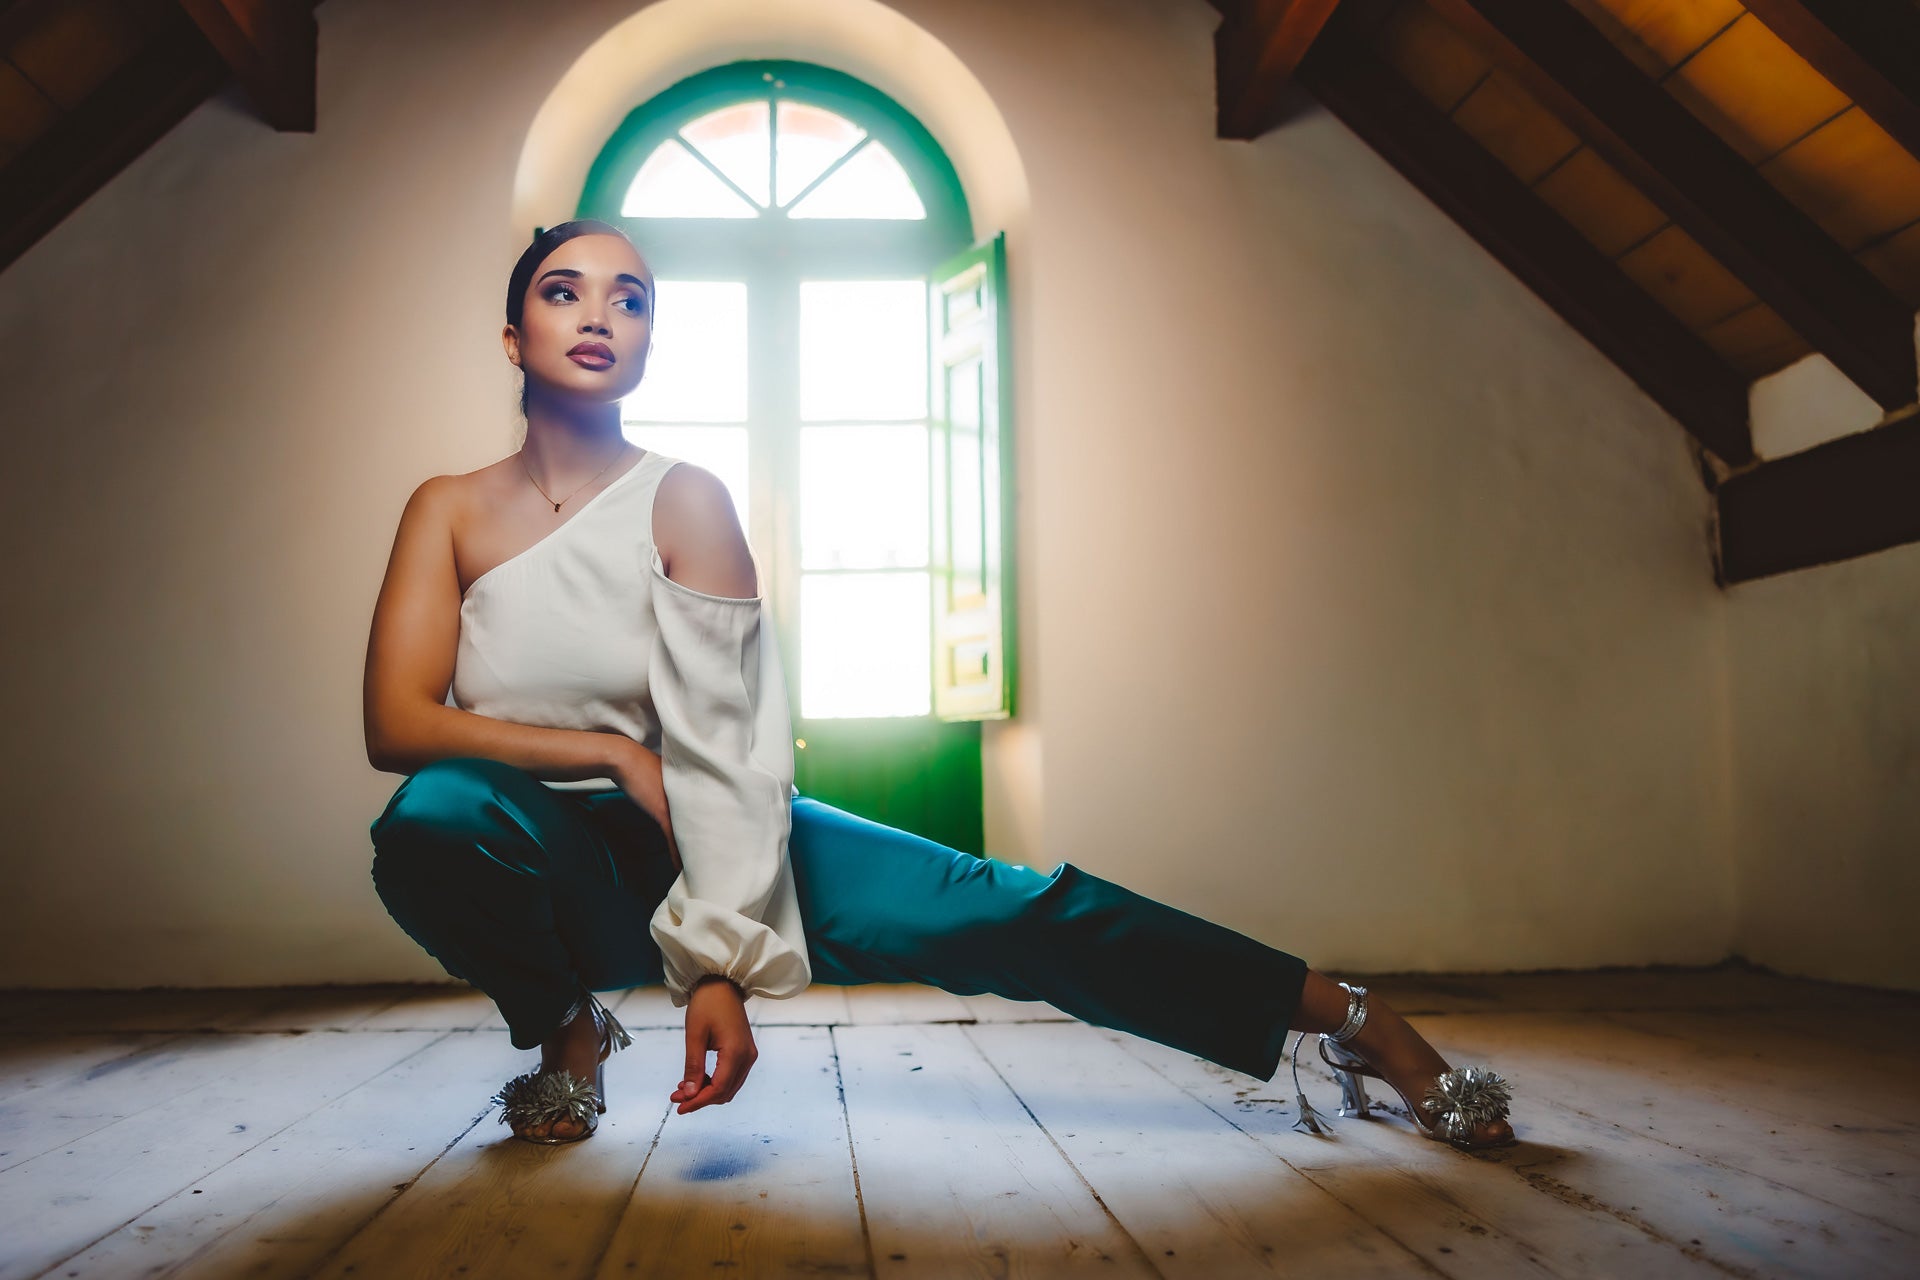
<point>573,274</point>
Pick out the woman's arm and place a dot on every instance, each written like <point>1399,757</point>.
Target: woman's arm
<point>730,923</point>
<point>410,657</point>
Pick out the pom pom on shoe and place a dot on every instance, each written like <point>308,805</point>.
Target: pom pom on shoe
<point>1462,1099</point>
<point>542,1097</point>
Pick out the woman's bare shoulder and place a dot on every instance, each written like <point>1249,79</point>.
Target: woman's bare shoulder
<point>691,507</point>
<point>456,495</point>
<point>698,534</point>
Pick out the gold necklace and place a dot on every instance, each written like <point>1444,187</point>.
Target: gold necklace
<point>589,480</point>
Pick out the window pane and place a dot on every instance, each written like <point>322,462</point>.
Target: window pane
<point>863,349</point>
<point>721,450</point>
<point>871,185</point>
<point>863,497</point>
<point>738,142</point>
<point>809,140</point>
<point>697,371</point>
<point>672,184</point>
<point>866,645</point>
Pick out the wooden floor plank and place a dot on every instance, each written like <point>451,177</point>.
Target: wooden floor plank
<point>819,1005</point>
<point>1870,1063</point>
<point>955,1179</point>
<point>992,1008</point>
<point>759,1186</point>
<point>1881,1104</point>
<point>158,1009</point>
<point>63,1201</point>
<point>1201,1197</point>
<point>1645,1084</point>
<point>899,1003</point>
<point>1466,1214</point>
<point>31,1063</point>
<point>494,1206</point>
<point>280,1209</point>
<point>649,1008</point>
<point>1742,1223</point>
<point>129,1085</point>
<point>452,1009</point>
<point>319,1009</point>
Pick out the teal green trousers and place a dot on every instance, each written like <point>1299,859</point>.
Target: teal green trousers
<point>533,894</point>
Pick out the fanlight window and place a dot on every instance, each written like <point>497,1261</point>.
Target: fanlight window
<point>782,158</point>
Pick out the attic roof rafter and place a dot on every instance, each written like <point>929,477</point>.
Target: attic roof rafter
<point>1868,49</point>
<point>1256,50</point>
<point>271,47</point>
<point>1670,362</point>
<point>1704,186</point>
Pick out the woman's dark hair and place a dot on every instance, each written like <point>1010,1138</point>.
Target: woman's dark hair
<point>535,254</point>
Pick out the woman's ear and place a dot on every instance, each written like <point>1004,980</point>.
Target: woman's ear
<point>511,341</point>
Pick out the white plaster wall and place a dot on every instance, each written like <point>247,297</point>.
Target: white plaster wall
<point>1825,682</point>
<point>1366,608</point>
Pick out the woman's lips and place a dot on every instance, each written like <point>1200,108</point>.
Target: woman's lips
<point>589,360</point>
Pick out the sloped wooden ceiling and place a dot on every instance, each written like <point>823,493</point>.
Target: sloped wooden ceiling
<point>1707,190</point>
<point>87,85</point>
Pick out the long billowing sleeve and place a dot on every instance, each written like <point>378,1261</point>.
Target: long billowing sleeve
<point>726,757</point>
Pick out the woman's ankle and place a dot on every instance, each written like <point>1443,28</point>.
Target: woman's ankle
<point>1322,1007</point>
<point>1386,1039</point>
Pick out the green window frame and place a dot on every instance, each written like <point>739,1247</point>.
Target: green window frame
<point>970,463</point>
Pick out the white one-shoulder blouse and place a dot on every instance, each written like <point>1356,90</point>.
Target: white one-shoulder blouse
<point>584,630</point>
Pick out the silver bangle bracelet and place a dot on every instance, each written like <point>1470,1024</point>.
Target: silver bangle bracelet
<point>1356,1013</point>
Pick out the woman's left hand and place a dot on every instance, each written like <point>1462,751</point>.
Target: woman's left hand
<point>717,1020</point>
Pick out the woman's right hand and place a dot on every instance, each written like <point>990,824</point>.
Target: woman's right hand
<point>637,769</point>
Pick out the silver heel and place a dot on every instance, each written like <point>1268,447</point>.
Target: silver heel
<point>1353,1094</point>
<point>544,1097</point>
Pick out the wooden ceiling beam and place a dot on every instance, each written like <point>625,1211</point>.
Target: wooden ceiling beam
<point>1255,51</point>
<point>1868,49</point>
<point>272,47</point>
<point>1706,187</point>
<point>1837,500</point>
<point>120,119</point>
<point>1589,290</point>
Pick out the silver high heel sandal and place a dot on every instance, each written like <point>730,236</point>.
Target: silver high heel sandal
<point>1460,1099</point>
<point>544,1097</point>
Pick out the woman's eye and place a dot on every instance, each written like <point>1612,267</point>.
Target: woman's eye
<point>559,289</point>
<point>639,306</point>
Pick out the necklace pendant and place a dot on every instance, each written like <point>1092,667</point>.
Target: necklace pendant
<point>556,506</point>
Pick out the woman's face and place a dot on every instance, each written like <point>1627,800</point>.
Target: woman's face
<point>587,322</point>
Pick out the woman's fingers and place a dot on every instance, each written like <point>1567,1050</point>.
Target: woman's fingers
<point>731,1065</point>
<point>729,1073</point>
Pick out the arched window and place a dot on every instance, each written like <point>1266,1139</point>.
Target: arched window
<point>831,343</point>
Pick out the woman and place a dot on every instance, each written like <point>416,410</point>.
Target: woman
<point>571,638</point>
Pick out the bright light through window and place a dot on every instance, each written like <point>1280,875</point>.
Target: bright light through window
<point>870,185</point>
<point>698,369</point>
<point>866,638</point>
<point>736,140</point>
<point>673,184</point>
<point>721,450</point>
<point>865,490</point>
<point>863,350</point>
<point>730,162</point>
<point>810,140</point>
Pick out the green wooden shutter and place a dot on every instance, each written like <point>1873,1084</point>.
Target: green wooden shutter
<point>972,481</point>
